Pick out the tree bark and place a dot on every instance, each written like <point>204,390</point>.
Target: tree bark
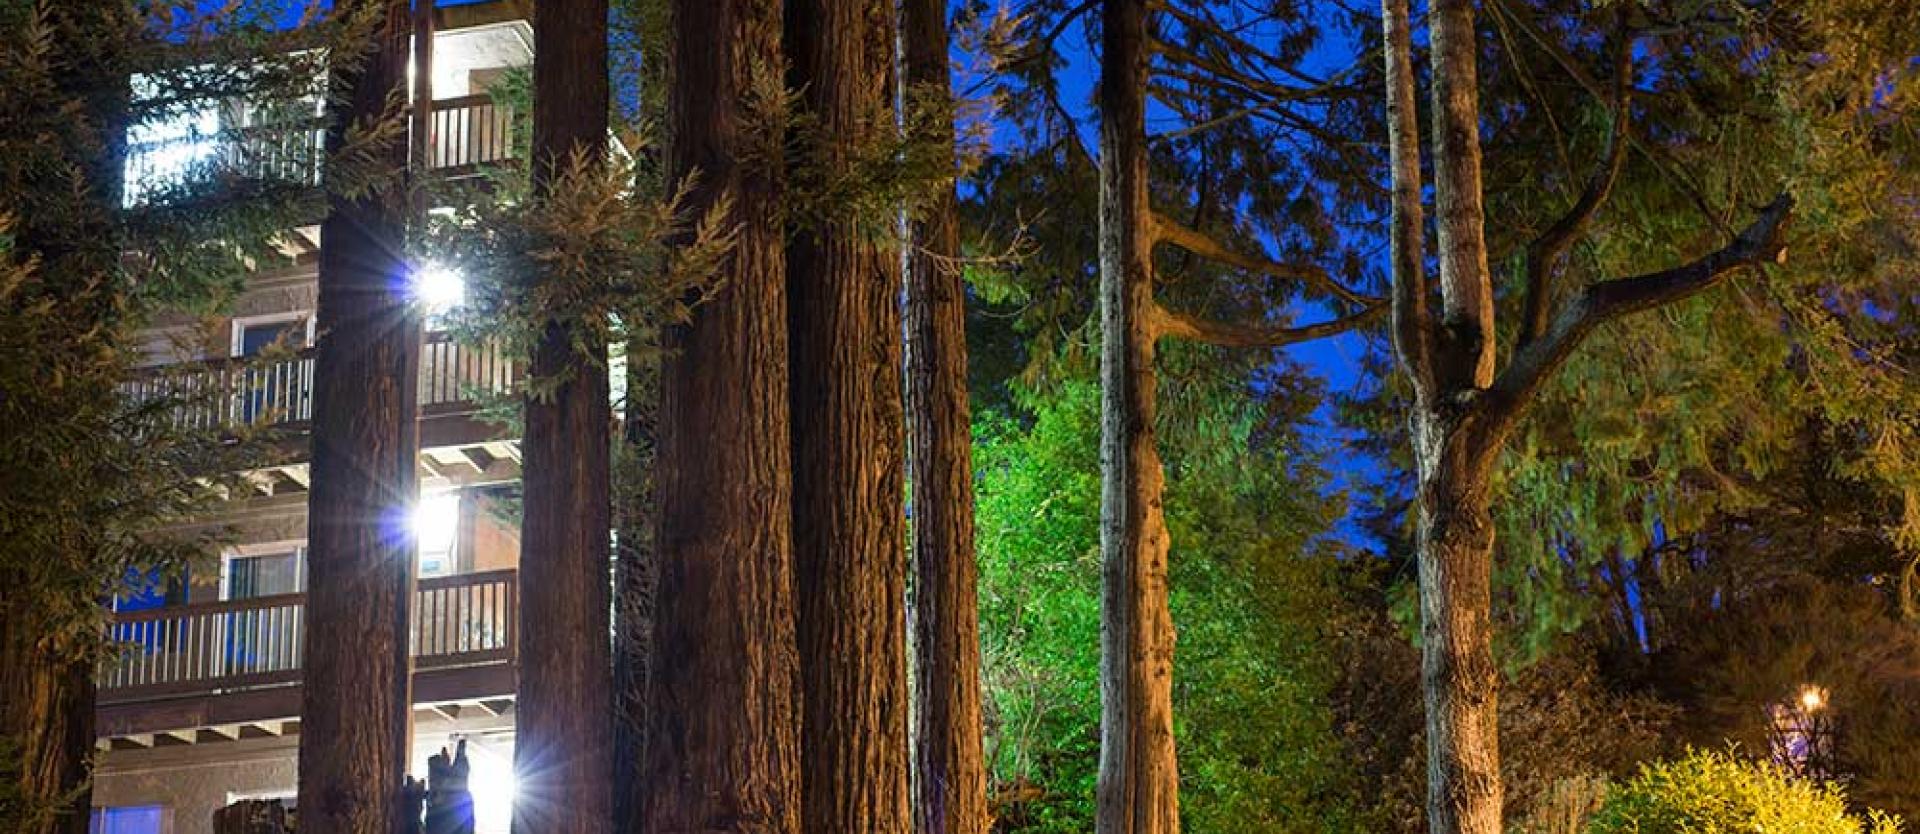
<point>356,711</point>
<point>46,710</point>
<point>1461,682</point>
<point>950,779</point>
<point>844,332</point>
<point>1138,790</point>
<point>722,727</point>
<point>564,735</point>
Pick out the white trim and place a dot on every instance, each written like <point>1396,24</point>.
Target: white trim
<point>241,323</point>
<point>298,547</point>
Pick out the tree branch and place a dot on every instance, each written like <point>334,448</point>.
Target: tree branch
<point>1171,323</point>
<point>1168,230</point>
<point>1653,153</point>
<point>1412,321</point>
<point>1546,250</point>
<point>1761,242</point>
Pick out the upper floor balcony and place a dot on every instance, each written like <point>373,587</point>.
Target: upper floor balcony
<point>466,134</point>
<point>229,392</point>
<point>209,670</point>
<point>475,47</point>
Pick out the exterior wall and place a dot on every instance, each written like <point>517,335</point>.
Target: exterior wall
<point>193,781</point>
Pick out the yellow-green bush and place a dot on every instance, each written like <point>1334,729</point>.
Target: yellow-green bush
<point>1706,792</point>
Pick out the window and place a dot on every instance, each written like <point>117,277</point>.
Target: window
<point>436,528</point>
<point>129,819</point>
<point>264,575</point>
<point>282,389</point>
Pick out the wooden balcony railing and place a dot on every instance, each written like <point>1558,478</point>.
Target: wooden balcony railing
<point>466,132</point>
<point>225,393</point>
<point>236,645</point>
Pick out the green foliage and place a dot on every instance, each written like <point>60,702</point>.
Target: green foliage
<point>1709,792</point>
<point>101,493</point>
<point>1255,613</point>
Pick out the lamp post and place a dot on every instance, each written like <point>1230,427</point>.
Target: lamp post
<point>1800,737</point>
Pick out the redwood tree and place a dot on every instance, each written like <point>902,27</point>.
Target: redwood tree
<point>356,704</point>
<point>950,778</point>
<point>1464,407</point>
<point>564,732</point>
<point>722,724</point>
<point>843,322</point>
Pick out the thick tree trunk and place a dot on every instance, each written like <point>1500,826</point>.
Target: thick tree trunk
<point>844,331</point>
<point>564,733</point>
<point>722,725</point>
<point>950,778</point>
<point>1456,629</point>
<point>1139,780</point>
<point>356,709</point>
<point>46,709</point>
<point>1455,456</point>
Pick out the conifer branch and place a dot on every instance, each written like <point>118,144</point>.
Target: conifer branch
<point>1761,242</point>
<point>1545,250</point>
<point>1168,230</point>
<point>1226,334</point>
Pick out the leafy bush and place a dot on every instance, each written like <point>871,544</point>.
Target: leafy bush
<point>1717,793</point>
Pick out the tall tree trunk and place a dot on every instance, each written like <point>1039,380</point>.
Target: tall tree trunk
<point>563,746</point>
<point>1456,634</point>
<point>950,778</point>
<point>844,332</point>
<point>1455,457</point>
<point>356,710</point>
<point>1139,779</point>
<point>722,727</point>
<point>46,712</point>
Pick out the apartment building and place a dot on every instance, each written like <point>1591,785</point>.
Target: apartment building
<point>202,707</point>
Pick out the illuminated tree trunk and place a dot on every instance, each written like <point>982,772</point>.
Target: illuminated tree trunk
<point>950,779</point>
<point>1139,779</point>
<point>46,710</point>
<point>356,711</point>
<point>564,732</point>
<point>844,329</point>
<point>722,726</point>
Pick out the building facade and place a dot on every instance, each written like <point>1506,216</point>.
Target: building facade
<point>201,707</point>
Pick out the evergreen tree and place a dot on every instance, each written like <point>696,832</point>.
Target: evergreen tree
<point>949,775</point>
<point>365,436</point>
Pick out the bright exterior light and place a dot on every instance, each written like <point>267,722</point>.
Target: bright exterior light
<point>439,288</point>
<point>1812,698</point>
<point>492,784</point>
<point>436,520</point>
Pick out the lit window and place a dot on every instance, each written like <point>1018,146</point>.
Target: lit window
<point>436,525</point>
<point>131,819</point>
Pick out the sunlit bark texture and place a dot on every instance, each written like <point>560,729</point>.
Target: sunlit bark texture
<point>844,322</point>
<point>356,711</point>
<point>1463,410</point>
<point>564,733</point>
<point>722,725</point>
<point>950,780</point>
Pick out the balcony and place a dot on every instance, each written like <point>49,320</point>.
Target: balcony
<point>237,663</point>
<point>233,392</point>
<point>466,135</point>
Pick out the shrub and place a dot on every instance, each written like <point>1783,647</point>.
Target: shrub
<point>1707,792</point>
